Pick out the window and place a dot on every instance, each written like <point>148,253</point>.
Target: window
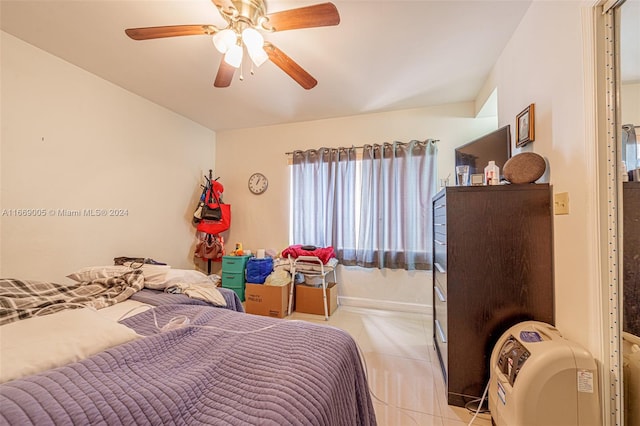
<point>374,210</point>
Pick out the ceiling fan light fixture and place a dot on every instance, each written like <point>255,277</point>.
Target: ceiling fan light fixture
<point>224,40</point>
<point>259,56</point>
<point>254,41</point>
<point>233,56</point>
<point>245,20</point>
<point>252,38</point>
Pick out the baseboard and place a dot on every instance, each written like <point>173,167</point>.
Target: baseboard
<point>386,305</point>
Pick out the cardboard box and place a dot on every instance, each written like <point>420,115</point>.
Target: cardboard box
<point>309,299</point>
<point>267,300</point>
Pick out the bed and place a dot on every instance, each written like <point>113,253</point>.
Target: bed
<point>211,366</point>
<point>159,298</point>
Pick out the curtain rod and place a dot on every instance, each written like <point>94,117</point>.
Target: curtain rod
<point>362,146</point>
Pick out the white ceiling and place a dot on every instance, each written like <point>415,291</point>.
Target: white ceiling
<point>384,55</point>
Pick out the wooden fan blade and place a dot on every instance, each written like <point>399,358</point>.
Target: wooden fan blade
<point>225,74</point>
<point>288,65</point>
<point>319,15</point>
<point>169,31</point>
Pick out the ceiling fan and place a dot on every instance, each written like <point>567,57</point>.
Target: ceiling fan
<point>244,20</point>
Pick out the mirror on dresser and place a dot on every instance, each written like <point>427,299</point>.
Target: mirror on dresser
<point>628,103</point>
<point>629,113</point>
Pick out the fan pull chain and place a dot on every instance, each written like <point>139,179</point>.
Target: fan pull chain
<point>241,73</point>
<point>252,70</point>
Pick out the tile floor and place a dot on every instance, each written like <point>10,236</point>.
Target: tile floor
<point>403,369</point>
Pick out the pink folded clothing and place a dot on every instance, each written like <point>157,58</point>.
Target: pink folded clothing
<point>324,254</point>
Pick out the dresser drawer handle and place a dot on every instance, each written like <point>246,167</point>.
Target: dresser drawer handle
<point>440,268</point>
<point>439,293</point>
<point>443,339</point>
<point>440,206</point>
<point>439,224</point>
<point>442,243</point>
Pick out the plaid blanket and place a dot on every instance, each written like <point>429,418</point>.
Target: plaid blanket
<point>20,299</point>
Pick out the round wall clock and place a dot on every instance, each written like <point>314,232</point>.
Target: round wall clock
<point>258,183</point>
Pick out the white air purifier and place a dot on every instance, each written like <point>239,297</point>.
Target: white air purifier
<point>539,378</point>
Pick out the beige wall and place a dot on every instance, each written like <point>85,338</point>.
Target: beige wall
<point>83,143</point>
<point>544,64</point>
<point>630,103</point>
<point>73,141</point>
<point>262,221</point>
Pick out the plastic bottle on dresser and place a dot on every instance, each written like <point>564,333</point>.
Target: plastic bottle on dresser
<point>492,174</point>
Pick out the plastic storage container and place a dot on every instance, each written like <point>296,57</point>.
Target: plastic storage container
<point>233,274</point>
<point>259,269</point>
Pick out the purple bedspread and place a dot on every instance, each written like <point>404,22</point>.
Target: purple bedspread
<point>269,372</point>
<point>158,298</point>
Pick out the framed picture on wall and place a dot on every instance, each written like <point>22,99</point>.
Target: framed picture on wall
<point>525,126</point>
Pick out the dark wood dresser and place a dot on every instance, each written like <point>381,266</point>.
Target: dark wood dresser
<point>493,268</point>
<point>631,257</point>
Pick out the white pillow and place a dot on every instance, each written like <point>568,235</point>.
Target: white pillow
<point>91,273</point>
<point>154,275</point>
<point>37,344</point>
<point>179,276</point>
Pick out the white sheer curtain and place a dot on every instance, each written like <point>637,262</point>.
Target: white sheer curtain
<point>398,182</point>
<point>323,202</point>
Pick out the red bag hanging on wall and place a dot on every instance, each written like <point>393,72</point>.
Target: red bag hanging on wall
<point>215,226</point>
